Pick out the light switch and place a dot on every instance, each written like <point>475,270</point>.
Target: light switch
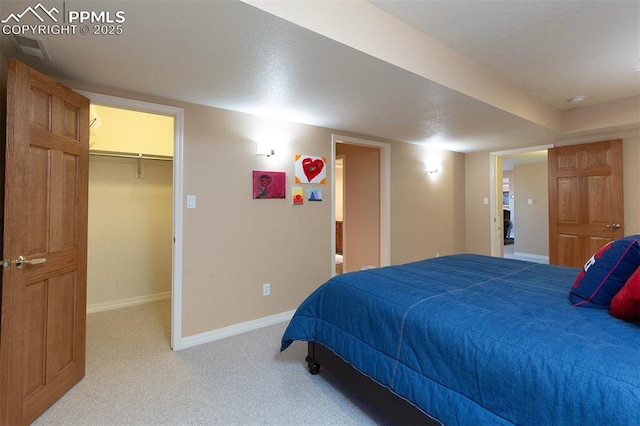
<point>485,201</point>
<point>191,201</point>
<point>530,201</point>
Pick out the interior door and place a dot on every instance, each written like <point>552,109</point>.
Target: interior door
<point>43,317</point>
<point>585,200</point>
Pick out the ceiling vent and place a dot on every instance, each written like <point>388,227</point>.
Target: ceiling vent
<point>31,47</point>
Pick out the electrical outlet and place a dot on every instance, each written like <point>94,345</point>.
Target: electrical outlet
<point>266,289</point>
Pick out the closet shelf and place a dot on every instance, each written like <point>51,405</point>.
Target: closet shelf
<point>130,155</point>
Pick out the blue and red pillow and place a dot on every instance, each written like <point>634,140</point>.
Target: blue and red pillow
<point>606,273</point>
<point>626,304</point>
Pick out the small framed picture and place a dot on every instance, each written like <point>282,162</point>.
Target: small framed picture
<point>310,169</point>
<point>297,195</point>
<point>315,195</point>
<point>269,184</point>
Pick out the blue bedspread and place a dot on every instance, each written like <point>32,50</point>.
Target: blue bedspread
<point>477,340</point>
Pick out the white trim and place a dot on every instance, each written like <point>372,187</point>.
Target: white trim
<point>496,227</point>
<point>522,150</point>
<point>123,303</point>
<point>537,258</point>
<point>234,330</point>
<point>178,197</point>
<point>333,208</point>
<point>178,151</point>
<point>385,192</point>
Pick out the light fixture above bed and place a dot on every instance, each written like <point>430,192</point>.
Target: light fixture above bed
<point>431,167</point>
<point>265,148</point>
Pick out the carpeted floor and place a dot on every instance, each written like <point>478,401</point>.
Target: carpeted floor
<point>134,378</point>
<point>339,263</point>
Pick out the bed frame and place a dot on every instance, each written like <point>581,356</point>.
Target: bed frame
<point>394,408</point>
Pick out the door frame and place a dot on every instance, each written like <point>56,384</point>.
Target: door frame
<point>495,188</point>
<point>385,195</point>
<point>178,142</point>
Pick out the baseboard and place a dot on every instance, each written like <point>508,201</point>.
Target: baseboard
<point>537,258</point>
<point>233,330</point>
<point>123,303</point>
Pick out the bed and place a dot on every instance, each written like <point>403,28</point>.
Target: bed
<point>478,340</point>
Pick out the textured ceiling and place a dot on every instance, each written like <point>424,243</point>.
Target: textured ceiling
<point>232,55</point>
<point>554,49</point>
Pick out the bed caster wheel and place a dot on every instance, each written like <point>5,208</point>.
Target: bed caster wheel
<point>314,367</point>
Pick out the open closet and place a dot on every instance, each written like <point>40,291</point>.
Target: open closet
<point>130,208</point>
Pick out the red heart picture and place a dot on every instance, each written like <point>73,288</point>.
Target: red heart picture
<point>312,168</point>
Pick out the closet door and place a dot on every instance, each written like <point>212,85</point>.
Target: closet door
<point>42,336</point>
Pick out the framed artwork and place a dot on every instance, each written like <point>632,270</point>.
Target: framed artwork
<point>505,199</point>
<point>315,195</point>
<point>310,169</point>
<point>269,184</point>
<point>297,195</point>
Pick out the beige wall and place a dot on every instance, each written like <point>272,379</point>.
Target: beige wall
<point>131,131</point>
<point>427,209</point>
<point>619,112</point>
<point>361,224</point>
<point>631,165</point>
<point>531,220</point>
<point>477,214</point>
<point>232,244</point>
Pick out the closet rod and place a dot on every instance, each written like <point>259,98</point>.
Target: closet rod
<point>130,155</point>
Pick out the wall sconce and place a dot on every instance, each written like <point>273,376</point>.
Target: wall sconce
<point>432,168</point>
<point>265,148</point>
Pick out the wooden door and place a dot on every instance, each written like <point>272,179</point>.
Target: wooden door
<point>43,322</point>
<point>585,200</point>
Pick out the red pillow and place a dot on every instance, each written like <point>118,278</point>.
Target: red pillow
<point>626,304</point>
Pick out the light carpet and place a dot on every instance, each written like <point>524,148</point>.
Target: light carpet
<point>134,378</point>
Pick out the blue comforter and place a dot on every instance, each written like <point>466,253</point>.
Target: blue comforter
<point>477,340</point>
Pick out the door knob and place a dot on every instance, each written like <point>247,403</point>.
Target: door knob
<point>21,261</point>
<point>614,226</point>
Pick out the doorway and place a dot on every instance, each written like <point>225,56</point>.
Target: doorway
<point>130,206</point>
<point>365,231</point>
<point>519,204</point>
<point>177,195</point>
